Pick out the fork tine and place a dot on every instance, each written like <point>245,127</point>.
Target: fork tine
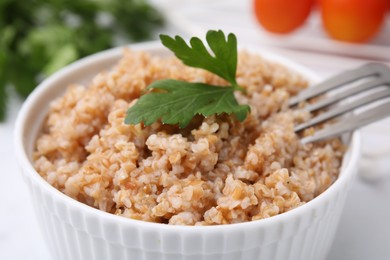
<point>366,70</point>
<point>344,108</point>
<point>351,123</point>
<point>348,93</point>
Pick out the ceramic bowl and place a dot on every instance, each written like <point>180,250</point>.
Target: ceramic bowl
<point>76,231</point>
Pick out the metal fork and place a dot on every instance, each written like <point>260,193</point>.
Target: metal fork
<point>379,76</point>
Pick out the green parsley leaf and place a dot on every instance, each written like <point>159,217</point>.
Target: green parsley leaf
<point>180,101</point>
<point>177,102</point>
<point>224,61</point>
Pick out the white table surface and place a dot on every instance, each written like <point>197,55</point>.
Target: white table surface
<point>364,230</point>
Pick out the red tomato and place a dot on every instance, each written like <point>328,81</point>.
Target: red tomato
<point>353,20</point>
<point>282,16</point>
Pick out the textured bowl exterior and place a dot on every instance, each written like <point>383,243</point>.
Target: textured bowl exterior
<point>76,231</point>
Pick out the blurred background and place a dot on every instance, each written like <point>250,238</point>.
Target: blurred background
<point>38,37</point>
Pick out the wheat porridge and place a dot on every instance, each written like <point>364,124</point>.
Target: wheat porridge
<point>216,170</point>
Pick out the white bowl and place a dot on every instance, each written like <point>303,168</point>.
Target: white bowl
<point>76,231</point>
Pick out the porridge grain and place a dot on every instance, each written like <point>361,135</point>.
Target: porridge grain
<point>215,171</point>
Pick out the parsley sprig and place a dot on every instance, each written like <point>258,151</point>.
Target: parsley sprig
<point>176,101</point>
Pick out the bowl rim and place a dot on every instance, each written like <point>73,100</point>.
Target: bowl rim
<point>27,168</point>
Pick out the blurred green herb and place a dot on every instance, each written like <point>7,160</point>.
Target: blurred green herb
<point>176,101</point>
<point>38,37</point>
